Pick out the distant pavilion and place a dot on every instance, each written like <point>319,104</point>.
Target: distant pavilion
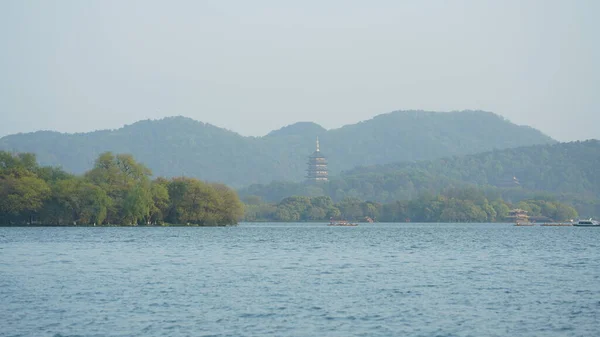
<point>317,166</point>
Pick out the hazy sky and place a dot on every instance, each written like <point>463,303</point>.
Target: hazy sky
<point>255,66</point>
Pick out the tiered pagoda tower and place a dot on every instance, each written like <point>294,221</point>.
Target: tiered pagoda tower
<point>317,166</point>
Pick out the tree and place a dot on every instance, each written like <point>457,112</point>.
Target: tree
<point>126,183</point>
<point>22,194</point>
<point>160,200</point>
<point>136,205</point>
<point>565,212</point>
<point>75,201</point>
<point>193,201</point>
<point>501,209</point>
<point>231,209</point>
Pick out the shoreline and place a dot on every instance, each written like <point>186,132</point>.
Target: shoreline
<point>112,225</point>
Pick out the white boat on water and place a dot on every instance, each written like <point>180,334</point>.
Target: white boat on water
<point>587,223</point>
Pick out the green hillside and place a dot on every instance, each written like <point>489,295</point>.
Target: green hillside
<point>566,171</point>
<point>558,168</point>
<point>179,146</point>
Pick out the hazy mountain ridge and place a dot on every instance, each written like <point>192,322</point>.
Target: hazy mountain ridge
<point>557,168</point>
<point>298,129</point>
<point>177,146</point>
<point>421,135</point>
<point>566,171</point>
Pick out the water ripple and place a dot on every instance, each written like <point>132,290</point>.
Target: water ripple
<point>300,280</point>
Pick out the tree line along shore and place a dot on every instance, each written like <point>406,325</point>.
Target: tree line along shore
<point>453,205</point>
<point>116,191</point>
<point>119,191</point>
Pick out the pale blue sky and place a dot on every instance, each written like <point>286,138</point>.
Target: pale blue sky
<point>255,66</point>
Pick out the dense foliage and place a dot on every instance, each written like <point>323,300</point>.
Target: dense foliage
<point>558,168</point>
<point>117,190</point>
<point>567,171</point>
<point>454,205</point>
<point>180,146</point>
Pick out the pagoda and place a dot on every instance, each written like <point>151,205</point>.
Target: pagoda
<point>317,166</point>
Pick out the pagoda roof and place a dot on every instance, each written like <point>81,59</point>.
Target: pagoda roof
<point>317,154</point>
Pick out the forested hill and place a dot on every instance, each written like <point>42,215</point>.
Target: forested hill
<point>558,168</point>
<point>179,146</point>
<point>568,171</point>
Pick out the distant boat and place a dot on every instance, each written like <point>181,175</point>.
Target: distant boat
<point>524,224</point>
<point>587,223</point>
<point>341,223</point>
<point>557,224</point>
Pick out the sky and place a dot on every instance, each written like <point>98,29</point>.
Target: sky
<point>255,66</point>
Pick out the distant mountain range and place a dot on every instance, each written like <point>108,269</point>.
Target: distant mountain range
<point>178,146</point>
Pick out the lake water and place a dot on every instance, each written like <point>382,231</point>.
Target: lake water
<point>301,280</point>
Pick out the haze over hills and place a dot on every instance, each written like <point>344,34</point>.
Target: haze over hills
<point>563,168</point>
<point>178,146</point>
<point>565,171</point>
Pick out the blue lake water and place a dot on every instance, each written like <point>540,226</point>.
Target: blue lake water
<point>301,280</point>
